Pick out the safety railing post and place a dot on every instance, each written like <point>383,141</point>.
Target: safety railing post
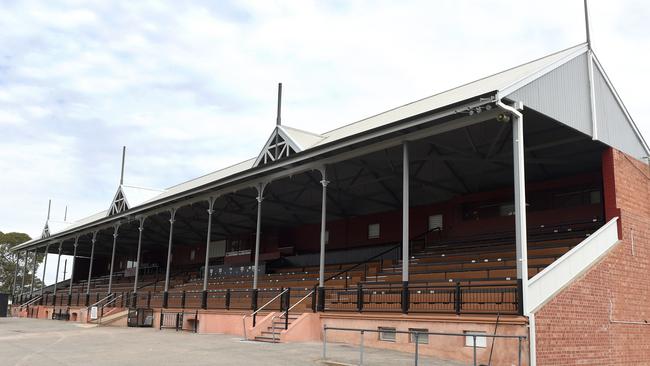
<point>204,299</point>
<point>313,299</point>
<point>228,299</point>
<point>148,299</point>
<point>519,352</point>
<point>321,299</point>
<point>457,298</point>
<point>254,305</point>
<point>287,305</point>
<point>359,297</point>
<point>183,300</point>
<point>69,299</point>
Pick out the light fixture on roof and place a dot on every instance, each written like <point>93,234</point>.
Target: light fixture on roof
<point>503,117</point>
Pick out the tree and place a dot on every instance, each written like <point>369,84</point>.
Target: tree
<point>8,262</point>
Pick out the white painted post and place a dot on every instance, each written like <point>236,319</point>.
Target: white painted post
<point>137,257</point>
<point>172,216</point>
<point>323,228</point>
<point>56,279</point>
<point>31,287</point>
<point>405,227</point>
<point>204,296</point>
<point>47,248</point>
<point>22,280</point>
<point>520,206</point>
<point>74,257</point>
<point>258,231</point>
<point>90,265</point>
<point>110,276</point>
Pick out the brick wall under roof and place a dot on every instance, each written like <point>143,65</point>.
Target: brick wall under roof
<point>575,328</point>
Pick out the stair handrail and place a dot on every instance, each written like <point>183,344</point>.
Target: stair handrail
<point>101,312</point>
<point>260,309</point>
<point>23,305</point>
<point>286,312</point>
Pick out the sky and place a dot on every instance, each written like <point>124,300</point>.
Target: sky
<point>190,87</point>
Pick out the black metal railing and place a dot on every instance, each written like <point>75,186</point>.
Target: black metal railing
<point>457,298</point>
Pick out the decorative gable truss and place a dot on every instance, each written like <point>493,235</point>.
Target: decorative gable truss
<point>119,203</point>
<point>278,146</point>
<point>46,231</point>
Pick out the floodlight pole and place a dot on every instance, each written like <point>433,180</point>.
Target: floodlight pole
<point>56,279</point>
<point>172,216</point>
<point>405,227</point>
<point>137,261</point>
<point>204,295</point>
<point>116,228</point>
<point>74,258</point>
<point>90,266</point>
<point>47,248</point>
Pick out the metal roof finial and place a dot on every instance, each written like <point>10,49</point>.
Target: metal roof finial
<point>49,206</point>
<point>65,214</point>
<point>588,30</point>
<point>278,120</point>
<point>122,173</point>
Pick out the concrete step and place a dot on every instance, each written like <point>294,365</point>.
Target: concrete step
<point>268,339</point>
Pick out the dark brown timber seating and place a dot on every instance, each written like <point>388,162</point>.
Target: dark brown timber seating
<point>474,274</point>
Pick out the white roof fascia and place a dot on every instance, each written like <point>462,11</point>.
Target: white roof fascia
<point>621,105</point>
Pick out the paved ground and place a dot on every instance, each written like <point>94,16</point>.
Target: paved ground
<point>51,342</point>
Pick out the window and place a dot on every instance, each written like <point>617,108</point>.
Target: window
<point>469,340</point>
<point>192,254</point>
<point>421,338</point>
<point>387,334</point>
<point>435,222</point>
<point>373,231</point>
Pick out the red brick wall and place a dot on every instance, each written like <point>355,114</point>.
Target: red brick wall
<point>575,328</point>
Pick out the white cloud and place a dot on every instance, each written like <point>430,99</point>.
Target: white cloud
<point>190,88</point>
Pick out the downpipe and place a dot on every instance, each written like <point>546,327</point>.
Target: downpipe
<point>516,111</point>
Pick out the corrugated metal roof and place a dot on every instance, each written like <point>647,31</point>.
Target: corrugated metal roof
<point>135,196</point>
<point>504,82</point>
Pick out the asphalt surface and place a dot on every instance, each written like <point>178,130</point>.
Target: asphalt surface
<point>52,342</point>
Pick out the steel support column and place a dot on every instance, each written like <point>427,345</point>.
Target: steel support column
<point>22,280</point>
<point>204,295</point>
<point>47,248</point>
<point>14,285</point>
<point>520,204</point>
<point>31,286</point>
<point>110,276</point>
<point>137,262</point>
<point>258,231</point>
<point>172,216</point>
<point>56,279</point>
<point>74,257</point>
<point>323,231</point>
<point>405,227</point>
<point>90,266</point>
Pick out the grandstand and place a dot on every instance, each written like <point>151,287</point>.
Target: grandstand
<point>508,204</point>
